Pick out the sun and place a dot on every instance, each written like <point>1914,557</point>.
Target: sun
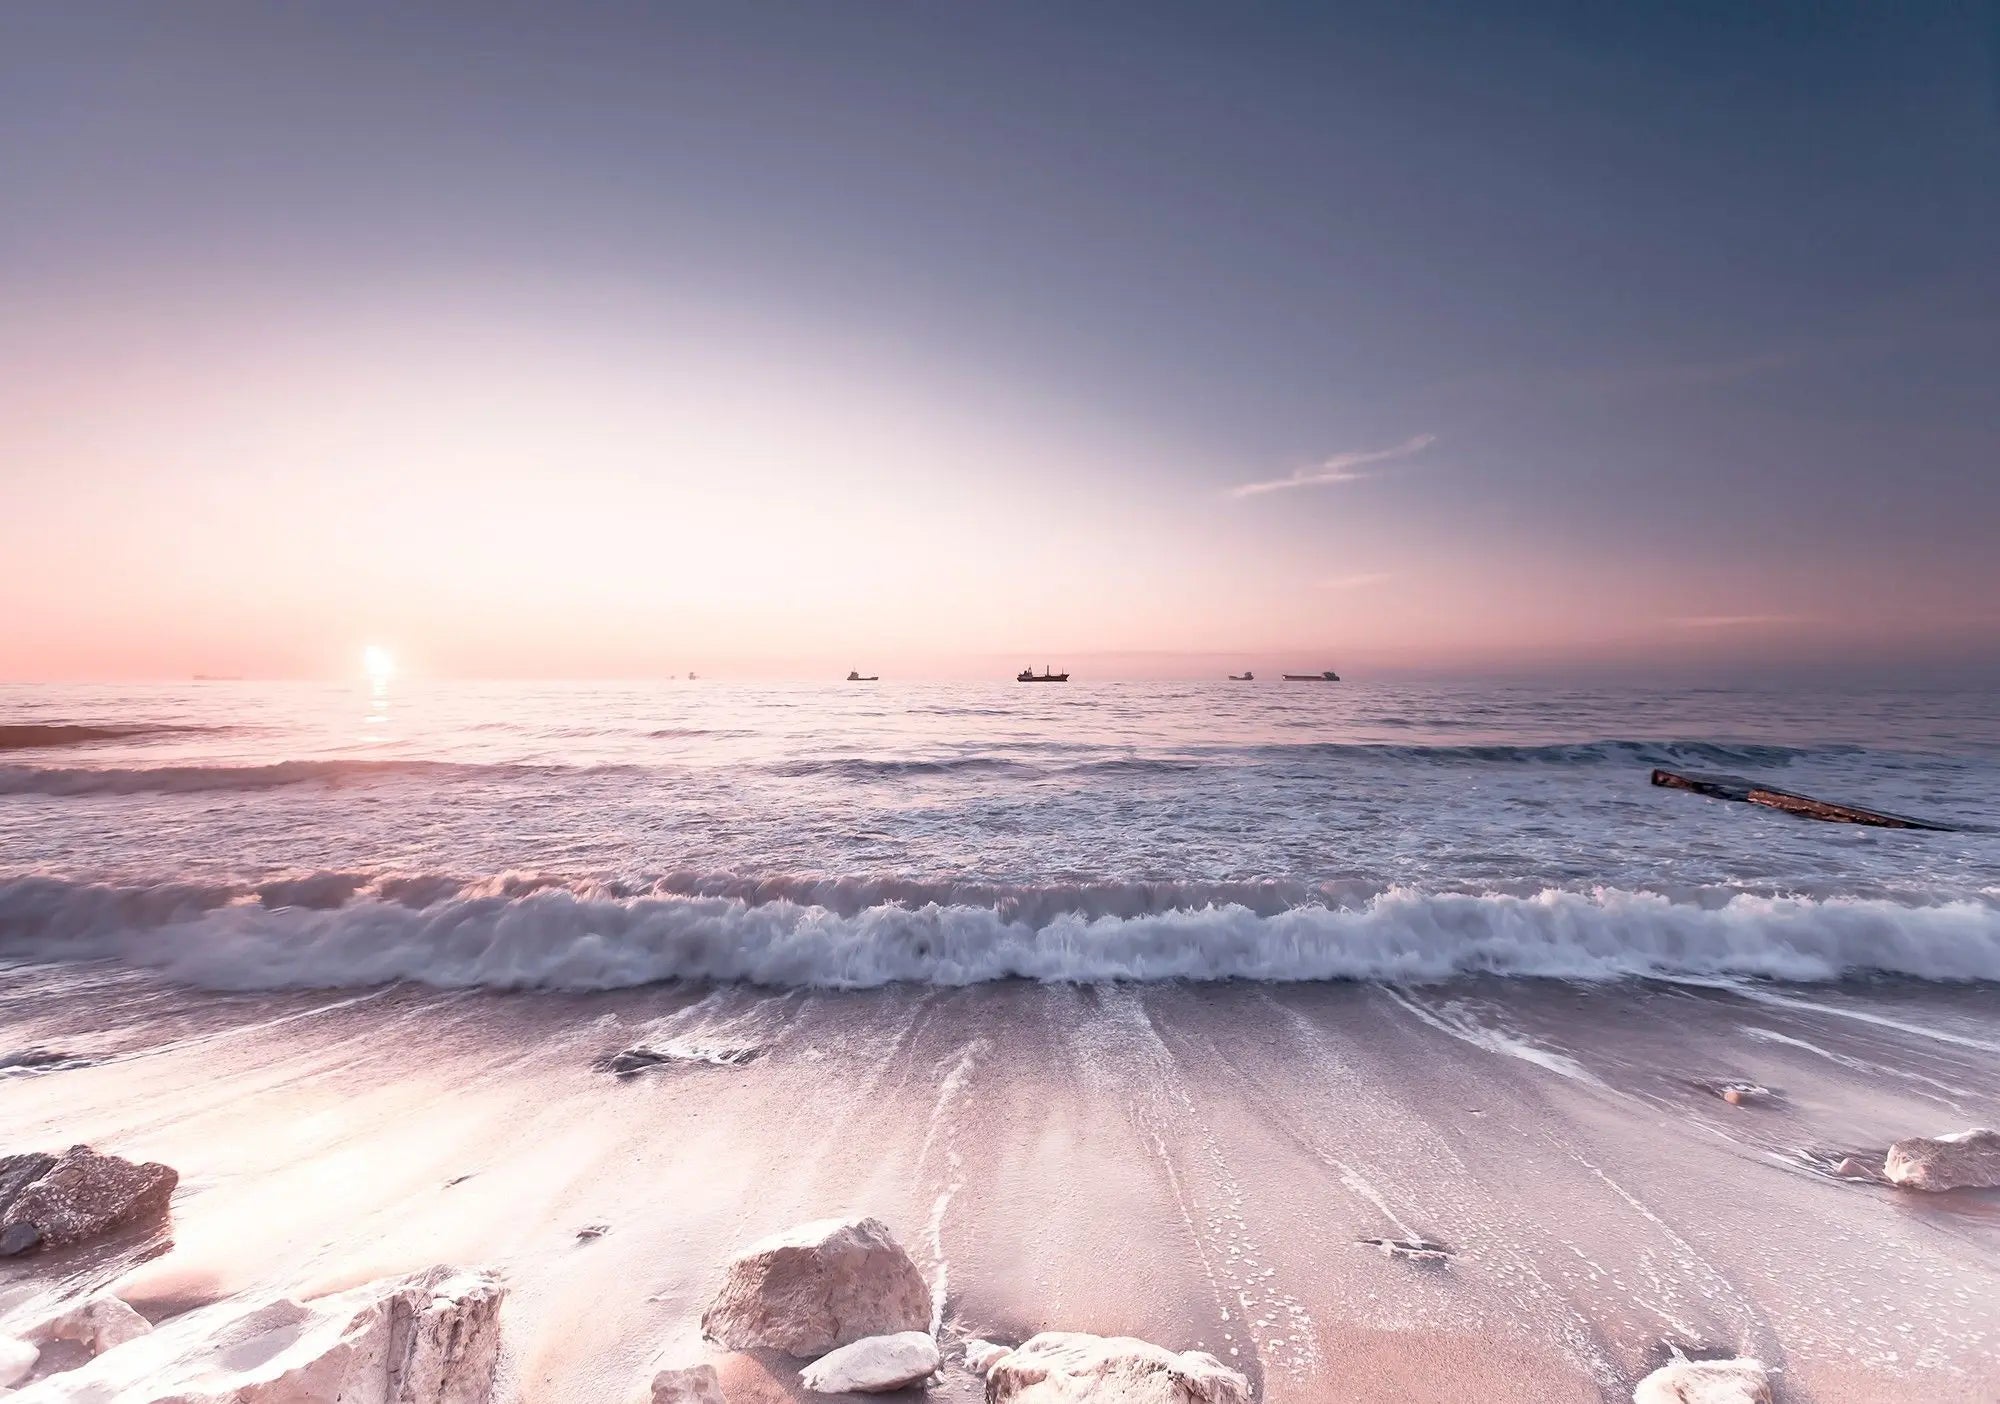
<point>378,663</point>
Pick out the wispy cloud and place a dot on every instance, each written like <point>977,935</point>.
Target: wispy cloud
<point>1341,468</point>
<point>1355,582</point>
<point>1735,621</point>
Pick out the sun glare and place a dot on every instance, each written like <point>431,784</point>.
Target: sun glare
<point>378,664</point>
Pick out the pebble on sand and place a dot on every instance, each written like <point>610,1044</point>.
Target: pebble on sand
<point>1738,1381</point>
<point>816,1287</point>
<point>873,1365</point>
<point>98,1324</point>
<point>1736,1091</point>
<point>1069,1367</point>
<point>692,1384</point>
<point>1963,1160</point>
<point>981,1356</point>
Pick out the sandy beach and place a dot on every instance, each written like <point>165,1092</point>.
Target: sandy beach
<point>1195,1165</point>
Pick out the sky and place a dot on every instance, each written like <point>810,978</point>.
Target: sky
<point>932,339</point>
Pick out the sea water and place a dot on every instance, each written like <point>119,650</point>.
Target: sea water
<point>584,836</point>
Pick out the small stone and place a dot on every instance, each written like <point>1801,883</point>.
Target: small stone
<point>18,1238</point>
<point>590,1231</point>
<point>1851,1168</point>
<point>1736,1091</point>
<point>981,1356</point>
<point>873,1365</point>
<point>695,1384</point>
<point>1069,1367</point>
<point>1740,1381</point>
<point>97,1324</point>
<point>1963,1160</point>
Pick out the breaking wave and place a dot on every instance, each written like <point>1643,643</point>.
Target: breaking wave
<point>336,930</point>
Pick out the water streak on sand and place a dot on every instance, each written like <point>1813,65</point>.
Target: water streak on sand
<point>953,1091</point>
<point>1863,1016</point>
<point>1455,1018</point>
<point>1945,1092</point>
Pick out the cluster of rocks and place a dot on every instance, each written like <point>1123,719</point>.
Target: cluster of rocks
<point>843,1293</point>
<point>52,1201</point>
<point>432,1337</point>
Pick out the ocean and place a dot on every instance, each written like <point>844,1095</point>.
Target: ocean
<point>1134,1009</point>
<point>593,836</point>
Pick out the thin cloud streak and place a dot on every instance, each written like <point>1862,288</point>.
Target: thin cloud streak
<point>1337,469</point>
<point>1356,582</point>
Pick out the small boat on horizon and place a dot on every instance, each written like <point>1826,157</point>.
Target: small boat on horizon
<point>1030,675</point>
<point>855,676</point>
<point>1328,676</point>
<point>1245,676</point>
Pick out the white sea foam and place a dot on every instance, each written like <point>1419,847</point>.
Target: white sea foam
<point>520,935</point>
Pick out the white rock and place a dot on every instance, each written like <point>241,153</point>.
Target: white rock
<point>1740,1381</point>
<point>818,1286</point>
<point>1067,1367</point>
<point>694,1384</point>
<point>872,1365</point>
<point>430,1338</point>
<point>97,1324</point>
<point>980,1355</point>
<point>17,1361</point>
<point>1966,1160</point>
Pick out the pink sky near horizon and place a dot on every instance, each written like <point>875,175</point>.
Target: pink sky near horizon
<point>263,491</point>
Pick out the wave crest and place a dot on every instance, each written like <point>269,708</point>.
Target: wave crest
<point>518,932</point>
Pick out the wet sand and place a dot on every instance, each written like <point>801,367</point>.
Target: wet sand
<point>1193,1164</point>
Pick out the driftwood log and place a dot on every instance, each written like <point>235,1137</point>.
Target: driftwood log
<point>1735,787</point>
